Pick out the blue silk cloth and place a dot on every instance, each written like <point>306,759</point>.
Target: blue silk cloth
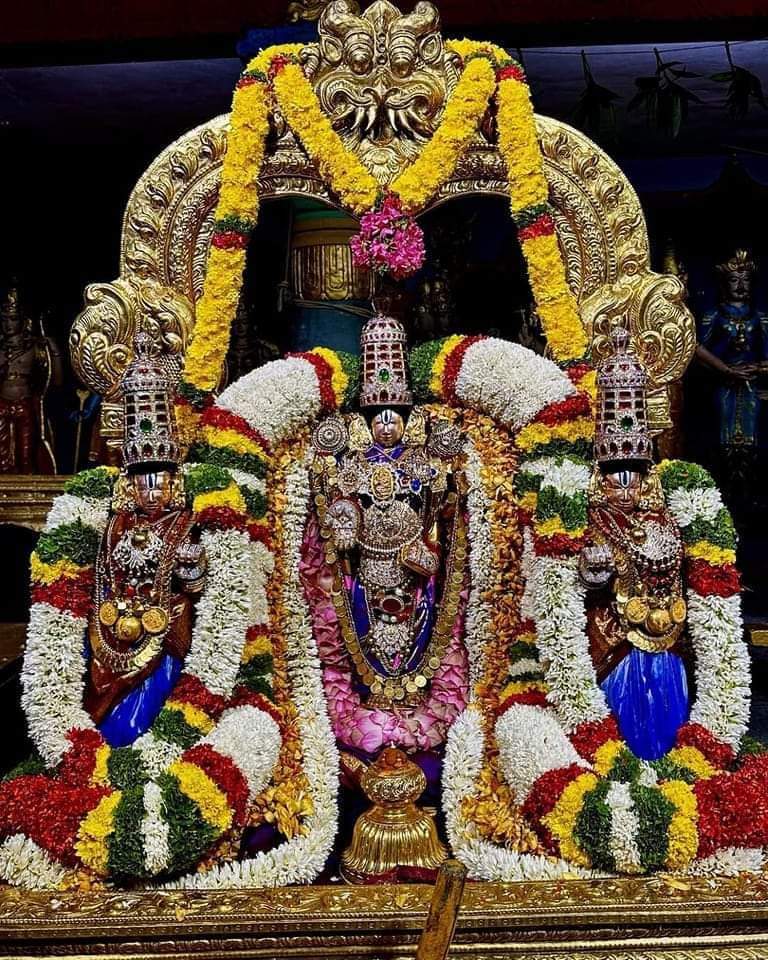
<point>648,695</point>
<point>136,712</point>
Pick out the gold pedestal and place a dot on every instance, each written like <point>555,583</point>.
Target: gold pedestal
<point>394,832</point>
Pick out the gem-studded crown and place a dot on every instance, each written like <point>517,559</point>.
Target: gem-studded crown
<point>149,427</point>
<point>383,348</point>
<point>622,422</point>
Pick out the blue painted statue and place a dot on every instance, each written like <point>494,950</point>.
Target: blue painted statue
<point>733,341</point>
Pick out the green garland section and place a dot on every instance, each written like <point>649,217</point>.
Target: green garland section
<point>224,457</point>
<point>126,848</point>
<point>205,478</point>
<point>170,725</point>
<point>719,531</point>
<point>572,510</point>
<point>71,541</point>
<point>350,364</point>
<point>256,674</point>
<point>126,768</point>
<point>676,474</point>
<point>95,484</point>
<point>592,829</point>
<point>188,834</point>
<point>654,813</point>
<point>422,360</point>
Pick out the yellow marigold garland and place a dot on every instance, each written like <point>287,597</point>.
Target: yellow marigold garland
<point>487,69</point>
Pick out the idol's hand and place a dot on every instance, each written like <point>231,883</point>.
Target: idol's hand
<point>596,565</point>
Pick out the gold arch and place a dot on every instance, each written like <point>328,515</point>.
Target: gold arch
<point>168,221</point>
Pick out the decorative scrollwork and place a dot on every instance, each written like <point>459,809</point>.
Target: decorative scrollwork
<point>662,328</point>
<point>101,339</point>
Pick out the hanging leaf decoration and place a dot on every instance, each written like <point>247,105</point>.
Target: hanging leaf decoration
<point>664,99</point>
<point>743,86</point>
<point>595,112</point>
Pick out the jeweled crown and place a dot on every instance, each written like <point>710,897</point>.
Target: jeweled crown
<point>622,417</point>
<point>149,426</point>
<point>384,372</point>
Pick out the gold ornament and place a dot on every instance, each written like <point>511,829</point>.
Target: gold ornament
<point>679,610</point>
<point>155,620</point>
<point>658,621</point>
<point>636,610</point>
<point>108,613</point>
<point>394,832</point>
<point>128,628</point>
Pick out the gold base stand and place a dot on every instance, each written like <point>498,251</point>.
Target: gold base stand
<point>395,832</point>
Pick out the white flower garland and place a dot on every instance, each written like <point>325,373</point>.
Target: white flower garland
<point>262,568</point>
<point>565,476</point>
<point>477,621</point>
<point>722,666</point>
<point>300,859</point>
<point>25,864</point>
<point>625,827</point>
<point>687,505</point>
<point>532,742</point>
<point>53,679</point>
<point>716,629</point>
<point>464,754</point>
<point>729,862</point>
<point>69,508</point>
<point>251,739</point>
<point>508,382</point>
<point>555,596</point>
<point>155,831</point>
<point>277,399</point>
<point>222,612</point>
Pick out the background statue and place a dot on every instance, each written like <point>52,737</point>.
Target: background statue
<point>733,343</point>
<point>29,365</point>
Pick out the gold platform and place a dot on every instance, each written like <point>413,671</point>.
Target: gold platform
<point>630,918</point>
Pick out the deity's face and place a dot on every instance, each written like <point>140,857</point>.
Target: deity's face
<point>387,428</point>
<point>153,492</point>
<point>11,320</point>
<point>737,285</point>
<point>623,488</point>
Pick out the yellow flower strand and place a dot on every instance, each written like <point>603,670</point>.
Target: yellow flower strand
<point>561,820</point>
<point>683,835</point>
<point>94,832</point>
<point>198,786</point>
<point>246,140</point>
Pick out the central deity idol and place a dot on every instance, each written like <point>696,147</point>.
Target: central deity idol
<point>386,501</point>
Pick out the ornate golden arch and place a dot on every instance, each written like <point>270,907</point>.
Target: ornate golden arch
<point>168,221</point>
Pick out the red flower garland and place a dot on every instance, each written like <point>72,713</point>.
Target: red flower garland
<point>221,518</point>
<point>71,594</point>
<point>532,698</point>
<point>193,691</point>
<point>79,761</point>
<point>719,754</point>
<point>224,774</point>
<point>543,796</point>
<point>558,545</point>
<point>588,737</point>
<point>226,420</point>
<point>574,406</point>
<point>47,811</point>
<point>324,373</point>
<point>708,579</point>
<point>733,808</point>
<point>259,532</point>
<point>452,368</point>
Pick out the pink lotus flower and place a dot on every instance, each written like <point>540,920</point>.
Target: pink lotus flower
<point>389,241</point>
